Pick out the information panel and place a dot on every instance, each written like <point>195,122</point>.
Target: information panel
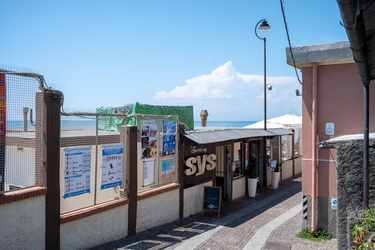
<point>112,155</point>
<point>77,171</point>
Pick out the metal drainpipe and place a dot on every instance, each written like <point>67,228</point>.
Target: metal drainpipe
<point>313,144</point>
<point>366,86</point>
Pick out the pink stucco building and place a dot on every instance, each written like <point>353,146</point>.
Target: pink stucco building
<point>332,106</point>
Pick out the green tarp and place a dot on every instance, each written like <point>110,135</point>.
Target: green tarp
<point>184,113</point>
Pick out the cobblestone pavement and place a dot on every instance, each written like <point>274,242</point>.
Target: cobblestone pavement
<point>269,216</point>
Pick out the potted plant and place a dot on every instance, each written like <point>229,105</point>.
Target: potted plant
<point>276,174</point>
<point>252,179</point>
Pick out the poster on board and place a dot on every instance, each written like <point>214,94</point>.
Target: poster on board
<point>112,155</point>
<point>148,139</point>
<point>168,167</point>
<point>77,171</point>
<point>169,137</point>
<point>148,172</point>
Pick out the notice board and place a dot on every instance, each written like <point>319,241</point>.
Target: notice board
<point>212,200</point>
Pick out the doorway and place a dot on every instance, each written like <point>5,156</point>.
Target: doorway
<point>254,157</point>
<point>223,170</point>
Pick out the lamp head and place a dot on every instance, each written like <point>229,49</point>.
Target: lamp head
<point>264,26</point>
<point>269,86</point>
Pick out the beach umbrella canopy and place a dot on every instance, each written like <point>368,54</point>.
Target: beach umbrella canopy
<point>288,119</point>
<point>261,125</point>
<point>279,122</point>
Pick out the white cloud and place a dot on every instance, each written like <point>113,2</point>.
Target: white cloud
<point>230,95</point>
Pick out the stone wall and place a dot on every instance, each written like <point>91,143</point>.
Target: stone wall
<point>349,172</point>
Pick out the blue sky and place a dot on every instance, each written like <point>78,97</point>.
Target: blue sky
<point>197,52</point>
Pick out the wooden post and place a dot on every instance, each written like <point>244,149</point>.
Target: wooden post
<point>133,180</point>
<point>181,156</point>
<point>51,156</point>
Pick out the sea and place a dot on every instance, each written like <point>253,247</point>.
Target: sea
<point>91,123</point>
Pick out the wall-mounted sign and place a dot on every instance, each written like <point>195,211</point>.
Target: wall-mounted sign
<point>198,160</point>
<point>330,128</point>
<point>334,203</point>
<point>77,171</point>
<point>198,164</point>
<point>112,156</point>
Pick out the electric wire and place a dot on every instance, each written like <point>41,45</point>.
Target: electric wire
<point>289,43</point>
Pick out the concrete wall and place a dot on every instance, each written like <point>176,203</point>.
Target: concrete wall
<point>287,169</point>
<point>23,224</point>
<point>95,230</point>
<point>193,199</point>
<point>298,165</point>
<point>157,210</point>
<point>239,188</point>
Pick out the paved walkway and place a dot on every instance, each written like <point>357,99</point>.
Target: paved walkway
<point>269,221</point>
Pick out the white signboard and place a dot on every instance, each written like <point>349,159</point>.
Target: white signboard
<point>77,171</point>
<point>112,155</point>
<point>330,128</point>
<point>148,172</point>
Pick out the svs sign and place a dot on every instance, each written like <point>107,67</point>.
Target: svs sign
<point>198,164</point>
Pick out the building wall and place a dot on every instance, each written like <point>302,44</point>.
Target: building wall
<point>340,101</point>
<point>23,224</point>
<point>193,199</point>
<point>95,230</point>
<point>157,210</point>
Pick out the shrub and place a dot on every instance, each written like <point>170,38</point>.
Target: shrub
<point>363,234</point>
<point>317,235</point>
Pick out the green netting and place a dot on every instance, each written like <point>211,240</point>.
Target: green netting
<point>184,113</point>
<point>106,122</point>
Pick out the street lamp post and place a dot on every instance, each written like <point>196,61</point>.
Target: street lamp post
<point>264,26</point>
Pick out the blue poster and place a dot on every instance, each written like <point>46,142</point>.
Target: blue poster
<point>168,167</point>
<point>169,138</point>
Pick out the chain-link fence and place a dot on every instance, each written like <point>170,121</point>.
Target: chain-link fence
<point>21,131</point>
